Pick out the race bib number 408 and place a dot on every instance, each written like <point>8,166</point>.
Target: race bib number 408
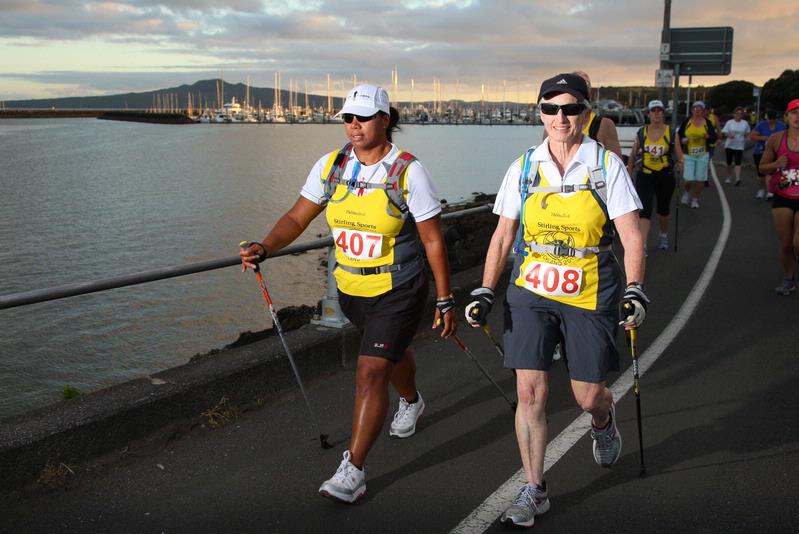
<point>556,280</point>
<point>358,245</point>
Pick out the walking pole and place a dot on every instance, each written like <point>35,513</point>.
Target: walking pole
<point>676,210</point>
<point>637,390</point>
<point>322,437</point>
<point>494,341</point>
<point>472,357</point>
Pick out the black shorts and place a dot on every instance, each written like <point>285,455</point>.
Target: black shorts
<point>733,154</point>
<point>531,333</point>
<point>782,202</point>
<point>659,184</point>
<point>389,321</point>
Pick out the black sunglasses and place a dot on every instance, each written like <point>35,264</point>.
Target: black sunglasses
<point>348,117</point>
<point>568,109</point>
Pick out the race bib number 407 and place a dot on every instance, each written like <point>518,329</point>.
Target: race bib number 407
<point>358,245</point>
<point>556,280</point>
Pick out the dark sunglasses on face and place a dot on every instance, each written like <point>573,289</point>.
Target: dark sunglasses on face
<point>348,117</point>
<point>568,109</point>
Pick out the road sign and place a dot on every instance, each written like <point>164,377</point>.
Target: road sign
<point>702,51</point>
<point>755,92</point>
<point>664,51</point>
<point>664,78</point>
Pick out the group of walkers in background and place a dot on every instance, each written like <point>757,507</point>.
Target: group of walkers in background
<point>560,207</point>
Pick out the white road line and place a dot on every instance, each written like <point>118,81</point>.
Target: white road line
<point>487,513</point>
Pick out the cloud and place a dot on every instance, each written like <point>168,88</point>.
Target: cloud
<point>469,41</point>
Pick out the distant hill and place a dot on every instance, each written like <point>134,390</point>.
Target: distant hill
<point>202,91</point>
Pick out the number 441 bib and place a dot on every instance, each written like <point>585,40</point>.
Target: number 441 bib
<point>549,279</point>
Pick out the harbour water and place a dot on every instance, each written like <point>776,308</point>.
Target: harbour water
<point>82,199</point>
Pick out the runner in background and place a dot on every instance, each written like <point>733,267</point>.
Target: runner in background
<point>698,134</point>
<point>734,133</point>
<point>769,125</point>
<point>661,152</point>
<point>710,115</point>
<point>781,160</point>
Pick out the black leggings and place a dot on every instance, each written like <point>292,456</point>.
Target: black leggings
<point>659,184</point>
<point>733,154</point>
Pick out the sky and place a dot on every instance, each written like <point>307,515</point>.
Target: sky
<point>500,49</point>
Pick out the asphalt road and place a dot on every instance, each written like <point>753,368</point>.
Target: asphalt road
<point>720,428</point>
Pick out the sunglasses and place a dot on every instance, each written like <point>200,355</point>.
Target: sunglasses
<point>348,117</point>
<point>568,109</point>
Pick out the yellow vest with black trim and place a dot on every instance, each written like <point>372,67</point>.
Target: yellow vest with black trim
<point>373,214</point>
<point>697,144</point>
<point>656,152</point>
<point>577,220</point>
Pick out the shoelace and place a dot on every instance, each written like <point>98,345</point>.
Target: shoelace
<point>344,470</point>
<point>526,497</point>
<point>604,437</point>
<point>403,411</point>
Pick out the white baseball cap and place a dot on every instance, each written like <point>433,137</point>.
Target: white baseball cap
<point>699,104</point>
<point>365,100</point>
<point>655,104</point>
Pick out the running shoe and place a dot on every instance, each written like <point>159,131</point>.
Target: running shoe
<point>607,441</point>
<point>404,423</point>
<point>787,287</point>
<point>532,500</point>
<point>769,196</point>
<point>694,203</point>
<point>760,193</point>
<point>727,180</point>
<point>348,484</point>
<point>663,242</point>
<point>737,182</point>
<point>685,199</point>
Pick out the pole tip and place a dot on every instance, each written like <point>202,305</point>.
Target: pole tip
<point>642,473</point>
<point>323,442</point>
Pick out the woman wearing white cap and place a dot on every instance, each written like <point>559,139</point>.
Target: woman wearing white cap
<point>380,205</point>
<point>698,133</point>
<point>661,152</point>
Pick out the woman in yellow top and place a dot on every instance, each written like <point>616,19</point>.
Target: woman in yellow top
<point>661,151</point>
<point>699,134</point>
<point>380,205</point>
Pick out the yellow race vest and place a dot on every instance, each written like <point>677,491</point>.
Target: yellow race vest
<point>697,144</point>
<point>656,152</point>
<point>576,220</point>
<point>370,232</point>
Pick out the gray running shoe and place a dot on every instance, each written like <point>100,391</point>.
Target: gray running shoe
<point>348,484</point>
<point>663,242</point>
<point>529,502</point>
<point>787,287</point>
<point>607,441</point>
<point>404,423</point>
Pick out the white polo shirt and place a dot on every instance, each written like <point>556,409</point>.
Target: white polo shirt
<point>622,197</point>
<point>423,202</point>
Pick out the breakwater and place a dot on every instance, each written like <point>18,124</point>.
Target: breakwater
<point>141,116</point>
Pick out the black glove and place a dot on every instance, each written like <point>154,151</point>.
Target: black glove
<point>477,310</point>
<point>445,304</point>
<point>632,308</point>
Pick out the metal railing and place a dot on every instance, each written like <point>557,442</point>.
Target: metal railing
<point>331,313</point>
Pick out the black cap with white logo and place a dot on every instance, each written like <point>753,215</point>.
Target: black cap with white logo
<point>565,83</point>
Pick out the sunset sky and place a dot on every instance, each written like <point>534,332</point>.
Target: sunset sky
<point>55,48</point>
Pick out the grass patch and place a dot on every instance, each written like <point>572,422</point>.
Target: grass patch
<point>222,414</point>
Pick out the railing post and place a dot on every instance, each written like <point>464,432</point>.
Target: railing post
<point>331,315</point>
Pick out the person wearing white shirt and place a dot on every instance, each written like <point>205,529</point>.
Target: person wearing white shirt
<point>558,206</point>
<point>734,133</point>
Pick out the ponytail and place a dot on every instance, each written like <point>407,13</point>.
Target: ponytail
<point>393,123</point>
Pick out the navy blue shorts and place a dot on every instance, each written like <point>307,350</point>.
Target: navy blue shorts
<point>589,339</point>
<point>388,322</point>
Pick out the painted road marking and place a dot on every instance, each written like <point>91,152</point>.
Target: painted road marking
<point>487,513</point>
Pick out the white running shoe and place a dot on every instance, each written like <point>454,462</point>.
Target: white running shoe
<point>769,196</point>
<point>348,484</point>
<point>694,203</point>
<point>787,287</point>
<point>558,354</point>
<point>685,199</point>
<point>404,423</point>
<point>607,441</point>
<point>663,242</point>
<point>727,180</point>
<point>529,502</point>
<point>760,193</point>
